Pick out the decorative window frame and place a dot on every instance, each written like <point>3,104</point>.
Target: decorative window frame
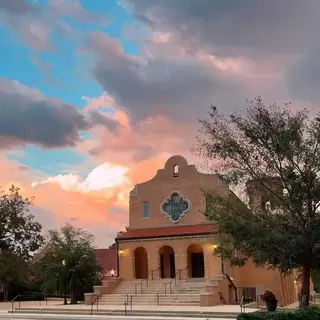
<point>168,199</point>
<point>142,207</point>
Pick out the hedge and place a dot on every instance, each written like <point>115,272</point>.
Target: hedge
<point>301,314</point>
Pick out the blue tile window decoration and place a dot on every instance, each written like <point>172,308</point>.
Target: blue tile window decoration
<point>175,207</point>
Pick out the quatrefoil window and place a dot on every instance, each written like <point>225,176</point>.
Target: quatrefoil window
<point>175,207</point>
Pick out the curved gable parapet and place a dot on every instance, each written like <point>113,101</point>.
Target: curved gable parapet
<point>175,161</point>
<point>176,168</point>
<point>148,181</point>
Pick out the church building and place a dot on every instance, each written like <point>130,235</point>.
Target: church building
<point>169,238</point>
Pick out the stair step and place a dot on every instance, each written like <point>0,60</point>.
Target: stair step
<point>178,292</point>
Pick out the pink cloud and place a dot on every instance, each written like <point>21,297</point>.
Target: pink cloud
<point>103,208</point>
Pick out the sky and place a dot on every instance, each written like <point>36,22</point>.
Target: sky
<point>96,95</point>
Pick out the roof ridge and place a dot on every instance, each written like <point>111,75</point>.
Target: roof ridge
<point>200,229</point>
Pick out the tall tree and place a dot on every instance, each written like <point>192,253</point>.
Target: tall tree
<point>14,270</point>
<point>20,236</point>
<point>276,152</point>
<point>69,262</point>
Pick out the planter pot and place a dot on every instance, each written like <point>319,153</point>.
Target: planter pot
<point>272,305</point>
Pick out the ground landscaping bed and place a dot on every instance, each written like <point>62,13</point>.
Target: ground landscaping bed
<point>303,314</point>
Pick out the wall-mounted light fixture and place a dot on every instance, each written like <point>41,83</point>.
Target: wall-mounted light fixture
<point>121,252</point>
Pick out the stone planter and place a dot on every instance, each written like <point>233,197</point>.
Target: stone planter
<point>271,305</point>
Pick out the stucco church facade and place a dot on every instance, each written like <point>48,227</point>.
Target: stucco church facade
<point>169,238</point>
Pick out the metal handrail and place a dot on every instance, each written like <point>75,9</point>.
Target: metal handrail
<point>154,271</point>
<point>13,300</point>
<point>143,280</point>
<point>187,267</point>
<point>126,303</point>
<point>222,298</point>
<point>170,283</point>
<point>141,283</point>
<point>21,296</point>
<point>165,291</point>
<point>233,286</point>
<point>96,300</point>
<point>242,305</point>
<point>175,278</point>
<point>175,281</point>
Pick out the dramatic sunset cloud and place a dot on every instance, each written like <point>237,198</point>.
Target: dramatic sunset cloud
<point>96,95</point>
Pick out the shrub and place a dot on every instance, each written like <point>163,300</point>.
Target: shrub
<point>268,296</point>
<point>301,314</point>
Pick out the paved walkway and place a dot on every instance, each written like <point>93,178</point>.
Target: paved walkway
<point>5,306</point>
<point>58,305</point>
<point>31,316</point>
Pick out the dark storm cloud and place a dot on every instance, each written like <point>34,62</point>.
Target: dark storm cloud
<point>303,79</point>
<point>285,30</point>
<point>28,117</point>
<point>99,119</point>
<point>170,86</point>
<point>233,27</point>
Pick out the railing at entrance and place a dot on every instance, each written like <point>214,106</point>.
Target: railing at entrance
<point>144,280</point>
<point>248,297</point>
<point>20,298</point>
<point>249,293</point>
<point>93,303</point>
<point>243,303</point>
<point>152,271</point>
<point>222,298</point>
<point>159,291</point>
<point>233,286</point>
<point>175,280</point>
<point>127,303</point>
<point>164,285</point>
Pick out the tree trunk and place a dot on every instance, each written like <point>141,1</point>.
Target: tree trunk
<point>73,298</point>
<point>65,298</point>
<point>305,288</point>
<point>5,292</point>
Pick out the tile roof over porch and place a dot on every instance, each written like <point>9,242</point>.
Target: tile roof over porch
<point>194,230</point>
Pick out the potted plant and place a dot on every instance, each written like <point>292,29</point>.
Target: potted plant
<point>270,300</point>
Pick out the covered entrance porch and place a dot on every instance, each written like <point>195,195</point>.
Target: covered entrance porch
<point>178,252</point>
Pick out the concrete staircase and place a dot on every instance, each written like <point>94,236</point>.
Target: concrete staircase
<point>183,292</point>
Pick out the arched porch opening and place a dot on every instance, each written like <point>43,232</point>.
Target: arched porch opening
<point>195,261</point>
<point>141,263</point>
<point>167,262</point>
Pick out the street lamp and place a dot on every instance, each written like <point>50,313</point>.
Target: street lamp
<point>64,283</point>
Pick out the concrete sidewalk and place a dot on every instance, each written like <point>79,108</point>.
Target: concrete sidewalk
<point>56,310</point>
<point>96,317</point>
<point>60,306</point>
<point>30,304</point>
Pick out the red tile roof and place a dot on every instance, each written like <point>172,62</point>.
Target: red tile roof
<point>107,258</point>
<point>167,232</point>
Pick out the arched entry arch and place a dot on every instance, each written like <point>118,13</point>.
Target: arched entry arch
<point>141,263</point>
<point>167,262</point>
<point>195,261</point>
